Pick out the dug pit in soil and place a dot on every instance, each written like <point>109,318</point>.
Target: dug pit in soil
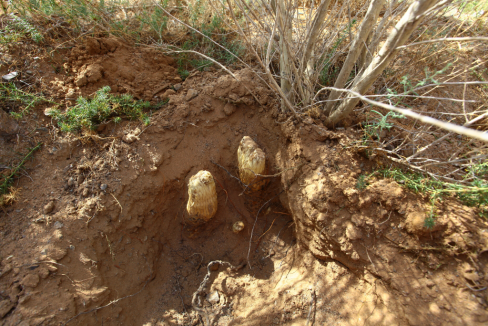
<point>99,235</point>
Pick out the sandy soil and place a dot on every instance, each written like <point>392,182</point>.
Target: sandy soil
<point>98,236</point>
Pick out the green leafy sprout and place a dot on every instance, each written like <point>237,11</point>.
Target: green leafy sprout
<point>89,113</point>
<point>11,93</point>
<point>25,27</point>
<point>375,127</point>
<point>473,195</point>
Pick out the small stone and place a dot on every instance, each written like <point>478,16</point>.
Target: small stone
<point>48,208</point>
<point>58,234</point>
<point>10,76</point>
<point>429,283</point>
<point>353,232</point>
<point>43,272</point>
<point>214,267</point>
<point>30,280</point>
<point>168,92</point>
<point>57,253</point>
<point>80,179</point>
<point>40,220</point>
<point>213,297</point>
<point>51,268</point>
<point>70,93</point>
<point>177,87</point>
<point>29,72</point>
<point>191,94</point>
<point>132,136</point>
<point>229,109</point>
<point>58,225</point>
<point>103,186</point>
<point>308,121</point>
<point>71,182</point>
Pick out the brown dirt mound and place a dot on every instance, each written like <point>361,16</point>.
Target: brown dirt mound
<point>81,70</point>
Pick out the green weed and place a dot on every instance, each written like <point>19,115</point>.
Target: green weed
<point>376,126</point>
<point>184,73</point>
<point>329,73</point>
<point>24,26</point>
<point>10,35</point>
<point>409,88</point>
<point>18,28</point>
<point>474,195</point>
<point>89,113</point>
<point>7,195</point>
<point>362,182</point>
<point>479,75</point>
<point>10,93</point>
<point>429,221</point>
<point>474,7</point>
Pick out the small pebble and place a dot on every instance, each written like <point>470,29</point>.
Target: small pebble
<point>48,208</point>
<point>58,225</point>
<point>10,76</point>
<point>213,297</point>
<point>103,186</point>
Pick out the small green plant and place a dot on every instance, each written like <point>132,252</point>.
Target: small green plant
<point>10,35</point>
<point>235,47</point>
<point>25,100</point>
<point>7,193</point>
<point>479,75</point>
<point>429,222</point>
<point>329,72</point>
<point>375,127</point>
<point>24,26</point>
<point>88,113</point>
<point>479,170</point>
<point>156,19</point>
<point>474,195</point>
<point>183,73</point>
<point>362,182</point>
<point>408,88</point>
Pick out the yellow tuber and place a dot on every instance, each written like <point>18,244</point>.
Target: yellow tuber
<point>238,227</point>
<point>252,161</point>
<point>202,197</point>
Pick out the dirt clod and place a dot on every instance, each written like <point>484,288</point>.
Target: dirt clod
<point>49,207</point>
<point>30,280</point>
<point>5,307</point>
<point>58,225</point>
<point>7,124</point>
<point>132,136</point>
<point>192,93</point>
<point>229,109</point>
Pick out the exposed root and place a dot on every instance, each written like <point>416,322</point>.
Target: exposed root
<point>196,298</point>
